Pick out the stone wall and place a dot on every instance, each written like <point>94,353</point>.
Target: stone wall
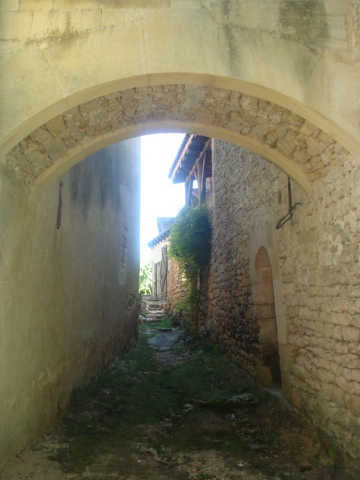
<point>69,273</point>
<point>297,146</point>
<point>176,285</point>
<point>315,268</point>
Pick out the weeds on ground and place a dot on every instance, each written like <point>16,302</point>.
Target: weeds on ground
<point>177,409</point>
<point>167,322</point>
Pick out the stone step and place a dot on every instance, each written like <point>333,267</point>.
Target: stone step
<point>154,307</point>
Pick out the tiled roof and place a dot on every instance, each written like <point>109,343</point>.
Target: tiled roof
<point>162,236</point>
<point>164,223</point>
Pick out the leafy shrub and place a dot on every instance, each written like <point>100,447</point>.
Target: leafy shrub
<point>190,240</point>
<point>145,279</point>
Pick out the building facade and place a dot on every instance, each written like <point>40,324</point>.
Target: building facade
<point>274,295</point>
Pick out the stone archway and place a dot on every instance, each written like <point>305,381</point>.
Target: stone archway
<point>54,50</point>
<point>79,78</point>
<point>269,372</point>
<point>296,145</point>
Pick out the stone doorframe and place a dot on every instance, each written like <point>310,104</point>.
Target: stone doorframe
<point>265,236</point>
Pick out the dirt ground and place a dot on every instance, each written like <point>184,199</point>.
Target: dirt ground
<point>177,409</point>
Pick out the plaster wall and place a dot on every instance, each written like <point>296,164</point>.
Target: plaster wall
<point>68,295</point>
<point>315,267</point>
<point>57,54</point>
<point>156,251</point>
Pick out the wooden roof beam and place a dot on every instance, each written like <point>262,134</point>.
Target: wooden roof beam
<point>206,146</point>
<point>182,155</point>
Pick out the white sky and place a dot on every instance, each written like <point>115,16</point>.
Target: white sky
<point>159,196</point>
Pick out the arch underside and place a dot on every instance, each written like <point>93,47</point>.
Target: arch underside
<point>294,144</point>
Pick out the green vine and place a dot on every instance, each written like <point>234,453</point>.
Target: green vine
<point>190,246</point>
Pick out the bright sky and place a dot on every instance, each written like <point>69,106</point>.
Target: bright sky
<point>159,196</point>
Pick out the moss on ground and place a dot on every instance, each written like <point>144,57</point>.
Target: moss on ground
<point>174,414</point>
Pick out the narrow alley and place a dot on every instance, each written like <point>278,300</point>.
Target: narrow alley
<point>266,94</point>
<point>176,407</point>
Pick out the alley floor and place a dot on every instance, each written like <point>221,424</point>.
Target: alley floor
<point>176,408</point>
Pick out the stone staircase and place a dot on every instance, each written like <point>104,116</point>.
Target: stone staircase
<point>153,309</point>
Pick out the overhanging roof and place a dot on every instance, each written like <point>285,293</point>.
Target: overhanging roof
<point>159,238</point>
<point>190,149</point>
<point>164,225</point>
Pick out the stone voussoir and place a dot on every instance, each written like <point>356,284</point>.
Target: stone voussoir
<point>312,150</point>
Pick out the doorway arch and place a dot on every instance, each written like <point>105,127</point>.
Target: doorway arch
<point>266,318</point>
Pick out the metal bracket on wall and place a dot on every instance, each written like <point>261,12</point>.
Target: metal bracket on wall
<point>291,211</point>
<point>59,210</point>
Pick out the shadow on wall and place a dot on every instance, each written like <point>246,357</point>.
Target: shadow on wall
<point>103,173</point>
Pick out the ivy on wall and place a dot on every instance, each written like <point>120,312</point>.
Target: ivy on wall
<point>190,246</point>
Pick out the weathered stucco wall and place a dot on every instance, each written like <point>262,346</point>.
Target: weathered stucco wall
<point>257,73</point>
<point>67,295</point>
<point>60,53</point>
<point>315,268</point>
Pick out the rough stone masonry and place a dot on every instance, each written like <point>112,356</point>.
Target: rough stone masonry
<point>315,267</point>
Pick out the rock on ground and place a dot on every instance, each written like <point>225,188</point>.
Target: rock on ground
<point>176,408</point>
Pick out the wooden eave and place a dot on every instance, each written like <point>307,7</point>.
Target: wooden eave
<point>191,149</point>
